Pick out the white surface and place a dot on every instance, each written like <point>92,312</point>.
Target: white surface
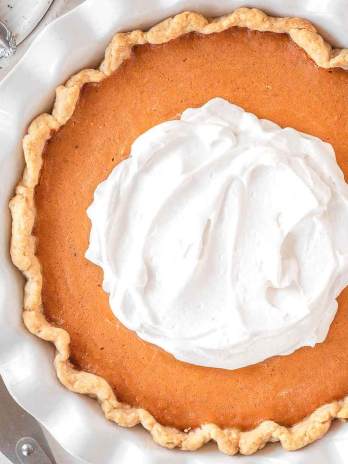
<point>216,211</point>
<point>22,17</point>
<point>58,8</point>
<point>4,460</point>
<point>60,454</point>
<point>12,12</point>
<point>72,42</point>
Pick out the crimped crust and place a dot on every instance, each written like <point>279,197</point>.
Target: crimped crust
<point>229,440</point>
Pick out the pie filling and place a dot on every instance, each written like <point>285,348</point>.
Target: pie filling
<point>223,237</point>
<point>301,270</point>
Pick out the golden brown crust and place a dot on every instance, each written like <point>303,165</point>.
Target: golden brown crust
<point>229,440</point>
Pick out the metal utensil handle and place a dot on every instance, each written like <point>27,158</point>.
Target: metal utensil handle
<point>29,451</point>
<point>7,41</point>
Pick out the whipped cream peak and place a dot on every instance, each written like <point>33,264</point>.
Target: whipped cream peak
<point>223,237</point>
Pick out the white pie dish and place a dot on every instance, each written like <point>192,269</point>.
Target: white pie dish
<point>78,40</point>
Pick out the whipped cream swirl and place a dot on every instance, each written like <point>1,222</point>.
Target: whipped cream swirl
<point>223,237</point>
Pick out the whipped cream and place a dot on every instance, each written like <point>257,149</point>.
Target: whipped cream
<point>223,237</point>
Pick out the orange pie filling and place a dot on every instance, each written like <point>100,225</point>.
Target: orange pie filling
<point>266,74</point>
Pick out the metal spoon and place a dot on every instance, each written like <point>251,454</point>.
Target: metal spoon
<point>7,41</point>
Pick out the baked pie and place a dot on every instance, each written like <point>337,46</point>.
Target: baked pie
<point>169,321</point>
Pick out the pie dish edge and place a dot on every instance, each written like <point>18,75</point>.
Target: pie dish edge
<point>229,440</point>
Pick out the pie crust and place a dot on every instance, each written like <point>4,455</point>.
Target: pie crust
<point>229,440</point>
